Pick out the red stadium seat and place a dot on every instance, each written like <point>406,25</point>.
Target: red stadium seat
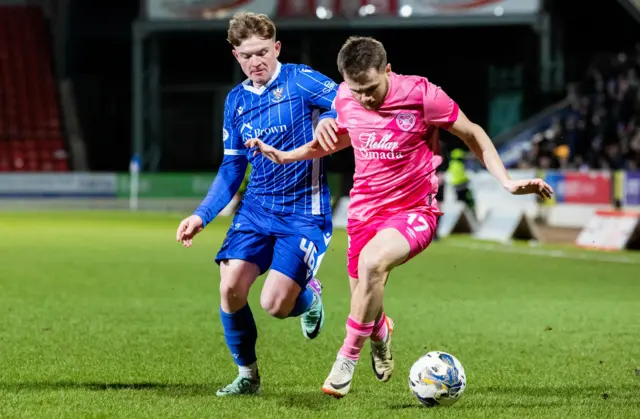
<point>30,131</point>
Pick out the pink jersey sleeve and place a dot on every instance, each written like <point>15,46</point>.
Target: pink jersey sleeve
<point>439,108</point>
<point>339,104</point>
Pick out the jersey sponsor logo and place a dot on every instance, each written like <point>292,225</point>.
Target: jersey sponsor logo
<point>225,134</point>
<point>261,132</point>
<point>277,95</point>
<point>373,148</point>
<point>405,121</point>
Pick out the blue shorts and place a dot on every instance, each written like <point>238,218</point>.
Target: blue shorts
<point>291,244</point>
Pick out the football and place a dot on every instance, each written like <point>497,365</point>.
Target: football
<point>437,378</point>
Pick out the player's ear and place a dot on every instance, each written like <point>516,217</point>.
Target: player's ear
<point>387,68</point>
<point>277,47</point>
<point>235,53</point>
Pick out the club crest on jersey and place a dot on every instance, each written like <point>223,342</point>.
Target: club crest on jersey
<point>278,95</point>
<point>405,121</point>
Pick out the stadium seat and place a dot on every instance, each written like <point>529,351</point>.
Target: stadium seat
<point>30,130</point>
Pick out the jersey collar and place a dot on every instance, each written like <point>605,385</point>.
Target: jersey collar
<point>258,91</point>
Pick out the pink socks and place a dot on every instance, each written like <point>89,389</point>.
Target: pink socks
<point>357,334</point>
<point>380,329</point>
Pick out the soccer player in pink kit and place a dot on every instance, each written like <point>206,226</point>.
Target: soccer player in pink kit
<point>392,122</point>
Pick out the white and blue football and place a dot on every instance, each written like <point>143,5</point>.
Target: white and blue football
<point>437,379</point>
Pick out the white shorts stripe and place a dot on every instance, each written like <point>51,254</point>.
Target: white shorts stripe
<point>315,187</point>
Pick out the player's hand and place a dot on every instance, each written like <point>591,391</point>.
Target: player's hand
<point>326,134</point>
<point>188,228</point>
<point>529,186</point>
<point>269,152</point>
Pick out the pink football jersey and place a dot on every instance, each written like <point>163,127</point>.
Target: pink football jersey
<point>396,148</point>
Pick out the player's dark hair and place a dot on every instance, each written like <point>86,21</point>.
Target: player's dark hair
<point>359,55</point>
<point>244,25</point>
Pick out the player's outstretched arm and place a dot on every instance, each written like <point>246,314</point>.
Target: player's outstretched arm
<point>475,137</point>
<point>222,190</point>
<point>309,151</point>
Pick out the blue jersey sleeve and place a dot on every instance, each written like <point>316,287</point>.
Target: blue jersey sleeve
<point>231,136</point>
<point>317,89</point>
<point>231,173</point>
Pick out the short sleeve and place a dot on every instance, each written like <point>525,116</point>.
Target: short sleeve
<point>233,144</point>
<point>439,108</point>
<point>339,105</point>
<point>315,87</point>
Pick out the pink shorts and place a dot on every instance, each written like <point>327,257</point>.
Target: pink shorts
<point>418,226</point>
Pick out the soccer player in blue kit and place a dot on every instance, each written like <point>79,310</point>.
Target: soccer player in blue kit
<point>284,220</point>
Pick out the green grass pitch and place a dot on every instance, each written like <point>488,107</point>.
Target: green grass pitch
<point>104,315</point>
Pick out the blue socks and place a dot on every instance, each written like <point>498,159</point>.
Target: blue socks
<point>240,330</point>
<point>303,302</point>
<point>241,335</point>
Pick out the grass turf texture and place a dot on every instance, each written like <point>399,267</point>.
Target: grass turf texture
<point>105,315</point>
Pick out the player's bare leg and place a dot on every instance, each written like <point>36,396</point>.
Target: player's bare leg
<point>279,294</point>
<point>282,297</point>
<point>381,355</point>
<point>236,278</point>
<point>386,250</point>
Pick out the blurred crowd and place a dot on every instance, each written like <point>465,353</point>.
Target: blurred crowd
<point>601,130</point>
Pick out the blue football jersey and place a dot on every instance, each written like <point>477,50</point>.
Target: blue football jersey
<point>281,114</point>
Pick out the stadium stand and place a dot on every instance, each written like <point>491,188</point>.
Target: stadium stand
<point>601,128</point>
<point>31,137</point>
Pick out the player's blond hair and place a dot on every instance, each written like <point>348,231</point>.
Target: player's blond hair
<point>359,54</point>
<point>244,25</point>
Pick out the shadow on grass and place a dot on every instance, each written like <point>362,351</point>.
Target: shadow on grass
<point>291,398</point>
<point>304,399</point>
<point>507,397</point>
<point>172,389</point>
<point>315,400</point>
<point>555,391</point>
<point>531,397</point>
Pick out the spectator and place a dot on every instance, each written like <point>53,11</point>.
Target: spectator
<point>602,128</point>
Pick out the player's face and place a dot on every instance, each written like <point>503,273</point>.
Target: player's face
<point>258,59</point>
<point>371,88</point>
